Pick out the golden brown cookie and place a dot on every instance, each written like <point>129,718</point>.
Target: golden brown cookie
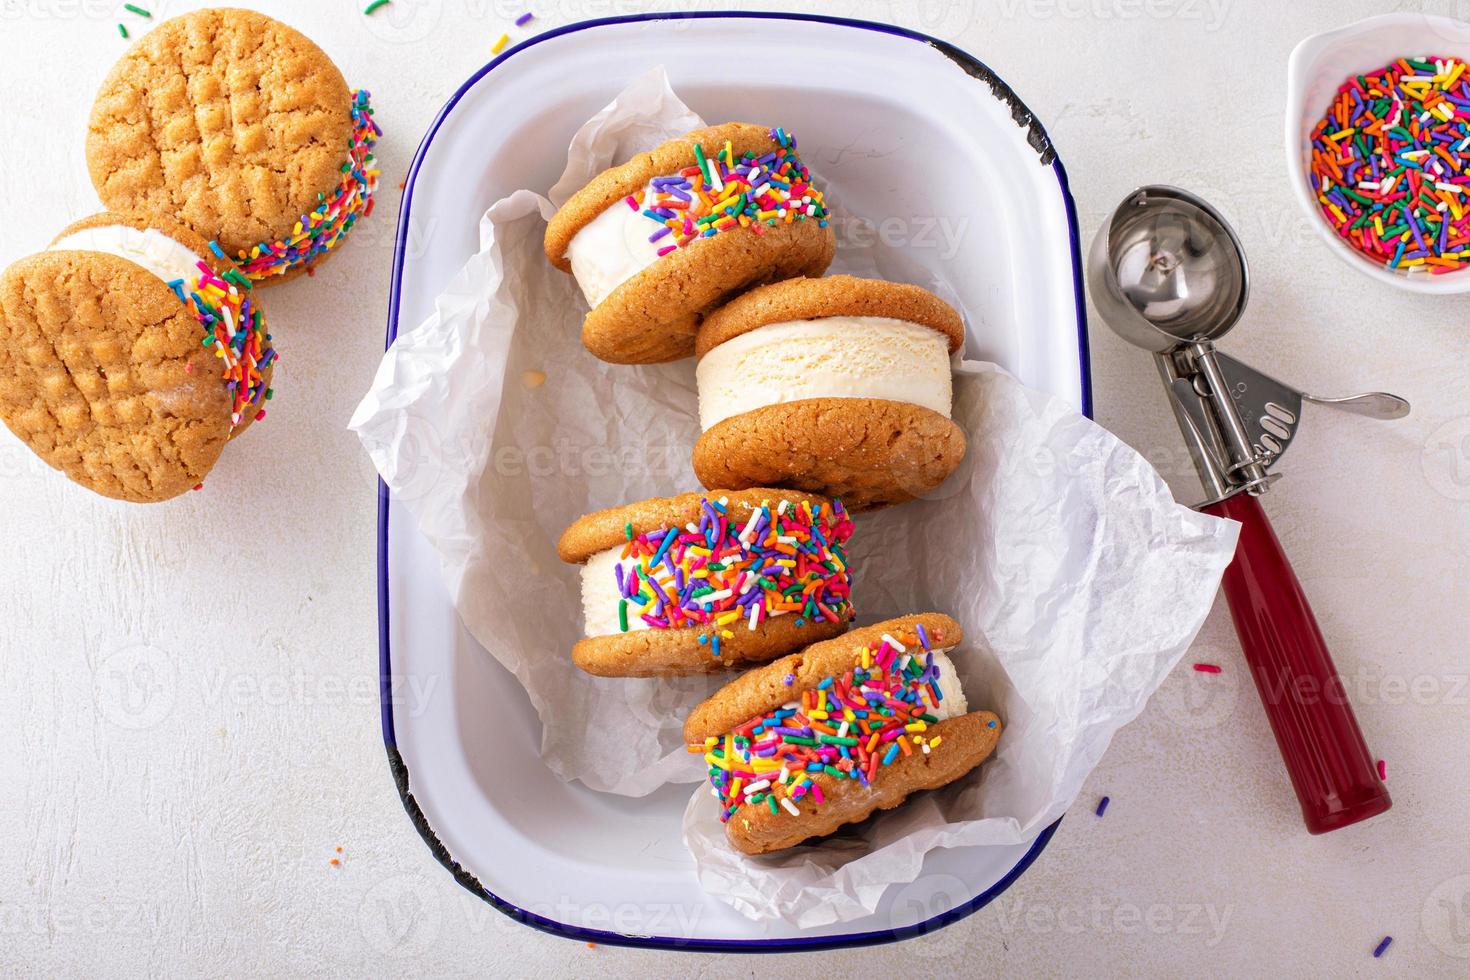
<point>840,295</point>
<point>242,128</point>
<point>113,378</point>
<point>838,385</point>
<point>686,266</point>
<point>965,742</point>
<point>829,736</point>
<point>706,582</point>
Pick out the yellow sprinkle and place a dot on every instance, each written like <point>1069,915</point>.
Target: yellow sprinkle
<point>500,44</point>
<point>715,760</point>
<point>726,635</point>
<point>724,619</point>
<point>934,742</point>
<point>818,715</point>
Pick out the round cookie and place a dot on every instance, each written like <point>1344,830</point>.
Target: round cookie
<point>837,385</point>
<point>125,364</point>
<point>704,582</point>
<point>242,128</point>
<point>650,260</point>
<point>833,734</point>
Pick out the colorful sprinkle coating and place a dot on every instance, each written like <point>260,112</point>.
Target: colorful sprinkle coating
<point>715,571</point>
<point>848,727</point>
<point>235,328</point>
<point>1390,164</point>
<point>755,191</point>
<point>323,229</point>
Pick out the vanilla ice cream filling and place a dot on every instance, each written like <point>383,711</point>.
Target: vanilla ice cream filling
<point>600,598</point>
<point>613,248</point>
<point>832,357</point>
<point>154,251</point>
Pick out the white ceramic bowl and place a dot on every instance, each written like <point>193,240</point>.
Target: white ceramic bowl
<point>1317,67</point>
<point>904,125</point>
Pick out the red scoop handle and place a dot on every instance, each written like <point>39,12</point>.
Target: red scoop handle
<point>1334,776</point>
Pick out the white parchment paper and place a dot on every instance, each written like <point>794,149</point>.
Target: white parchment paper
<point>1078,579</point>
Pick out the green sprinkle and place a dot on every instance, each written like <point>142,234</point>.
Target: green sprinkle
<point>375,5</point>
<point>623,615</point>
<point>132,9</point>
<point>799,740</point>
<point>836,740</point>
<point>122,30</point>
<point>270,393</point>
<point>628,530</point>
<point>771,802</point>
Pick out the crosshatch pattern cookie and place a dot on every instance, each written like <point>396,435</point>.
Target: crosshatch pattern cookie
<point>838,385</point>
<point>699,583</point>
<point>659,241</point>
<point>242,128</point>
<point>831,735</point>
<point>131,352</point>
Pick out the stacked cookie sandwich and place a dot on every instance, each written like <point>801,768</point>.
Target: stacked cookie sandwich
<point>816,395</point>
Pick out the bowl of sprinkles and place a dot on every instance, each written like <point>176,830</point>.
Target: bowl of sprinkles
<point>1378,146</point>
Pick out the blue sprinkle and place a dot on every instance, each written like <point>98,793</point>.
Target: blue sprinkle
<point>1382,946</point>
<point>1102,807</point>
<point>214,247</point>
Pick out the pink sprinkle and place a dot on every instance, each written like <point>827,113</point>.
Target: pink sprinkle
<point>631,202</point>
<point>260,415</point>
<point>188,367</point>
<point>1382,769</point>
<point>1207,668</point>
<point>667,249</point>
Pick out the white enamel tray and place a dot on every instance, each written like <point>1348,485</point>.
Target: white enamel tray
<point>910,127</point>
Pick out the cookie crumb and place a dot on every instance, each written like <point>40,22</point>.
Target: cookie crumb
<point>533,379</point>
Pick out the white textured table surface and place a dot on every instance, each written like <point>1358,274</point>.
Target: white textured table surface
<point>189,694</point>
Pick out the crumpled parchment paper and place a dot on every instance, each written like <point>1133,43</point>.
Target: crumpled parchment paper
<point>1078,579</point>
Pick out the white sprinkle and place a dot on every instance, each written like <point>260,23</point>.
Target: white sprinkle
<point>1454,188</point>
<point>842,730</point>
<point>757,786</point>
<point>744,536</point>
<point>789,806</point>
<point>781,510</point>
<point>714,597</point>
<point>894,643</point>
<point>755,610</point>
<point>786,538</point>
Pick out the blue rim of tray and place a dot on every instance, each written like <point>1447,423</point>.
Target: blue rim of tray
<point>1041,143</point>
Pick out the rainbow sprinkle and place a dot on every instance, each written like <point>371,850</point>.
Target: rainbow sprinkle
<point>721,573</point>
<point>1390,164</point>
<point>323,229</point>
<point>848,727</point>
<point>715,195</point>
<point>235,328</point>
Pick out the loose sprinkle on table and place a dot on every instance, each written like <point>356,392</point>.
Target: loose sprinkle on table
<point>122,30</point>
<point>375,5</point>
<point>1389,164</point>
<point>500,44</point>
<point>1382,769</point>
<point>1382,947</point>
<point>133,9</point>
<point>533,379</point>
<point>1207,668</point>
<point>524,19</point>
<point>1102,805</point>
<point>848,727</point>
